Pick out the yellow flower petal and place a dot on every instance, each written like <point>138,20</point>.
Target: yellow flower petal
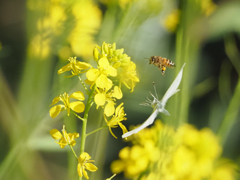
<point>92,74</point>
<point>62,143</point>
<point>77,95</point>
<point>68,67</point>
<point>55,100</point>
<point>77,106</point>
<point>55,110</point>
<point>111,71</point>
<point>124,129</point>
<point>100,99</point>
<point>84,156</point>
<point>103,63</point>
<point>91,167</point>
<point>103,82</point>
<point>79,170</point>
<point>117,93</point>
<point>85,174</point>
<point>73,143</point>
<point>56,134</point>
<point>82,65</point>
<point>109,108</point>
<point>112,133</point>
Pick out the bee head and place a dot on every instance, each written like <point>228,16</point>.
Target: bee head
<point>151,60</point>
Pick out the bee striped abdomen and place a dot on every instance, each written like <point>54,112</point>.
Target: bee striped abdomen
<point>162,63</point>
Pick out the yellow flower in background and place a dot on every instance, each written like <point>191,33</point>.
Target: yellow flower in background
<point>172,20</point>
<point>75,67</point>
<point>87,22</point>
<point>84,163</point>
<point>187,153</point>
<point>65,138</point>
<point>39,47</point>
<point>100,75</point>
<point>76,106</point>
<point>68,23</point>
<point>116,120</point>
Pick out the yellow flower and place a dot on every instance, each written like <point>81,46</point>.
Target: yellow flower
<point>85,26</point>
<point>65,139</point>
<point>116,120</point>
<point>102,97</point>
<point>84,162</point>
<point>76,106</point>
<point>172,20</point>
<point>74,66</point>
<point>128,76</point>
<point>100,75</point>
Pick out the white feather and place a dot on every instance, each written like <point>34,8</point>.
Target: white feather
<point>158,105</point>
<point>148,122</point>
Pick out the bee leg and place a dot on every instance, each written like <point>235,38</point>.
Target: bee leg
<point>163,69</point>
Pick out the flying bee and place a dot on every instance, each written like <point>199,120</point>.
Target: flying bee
<point>161,63</point>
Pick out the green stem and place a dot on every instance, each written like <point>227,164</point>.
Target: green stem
<point>84,125</point>
<point>96,130</point>
<point>230,116</point>
<point>83,84</point>
<point>73,152</point>
<point>78,116</point>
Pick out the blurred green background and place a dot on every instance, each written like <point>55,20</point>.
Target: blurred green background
<point>38,36</point>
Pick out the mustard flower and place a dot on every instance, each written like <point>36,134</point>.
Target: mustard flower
<point>100,75</point>
<point>128,76</point>
<point>116,120</point>
<point>74,66</point>
<point>65,138</point>
<point>102,97</point>
<point>76,106</point>
<point>84,162</point>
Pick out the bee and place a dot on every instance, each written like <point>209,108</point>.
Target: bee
<point>161,63</point>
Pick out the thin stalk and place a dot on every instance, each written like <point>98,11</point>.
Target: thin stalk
<point>80,79</point>
<point>96,130</point>
<point>84,125</point>
<point>73,152</point>
<point>78,116</point>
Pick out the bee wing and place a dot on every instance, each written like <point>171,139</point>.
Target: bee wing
<point>173,88</point>
<point>148,122</point>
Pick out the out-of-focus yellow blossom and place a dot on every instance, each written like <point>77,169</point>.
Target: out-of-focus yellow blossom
<point>87,22</point>
<point>172,20</point>
<point>84,163</point>
<point>100,75</point>
<point>76,67</point>
<point>186,153</point>
<point>102,97</point>
<point>76,106</point>
<point>68,23</point>
<point>116,120</point>
<point>207,6</point>
<point>225,169</point>
<point>39,47</point>
<point>65,138</point>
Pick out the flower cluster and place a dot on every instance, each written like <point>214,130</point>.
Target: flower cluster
<point>187,153</point>
<point>114,68</point>
<point>171,21</point>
